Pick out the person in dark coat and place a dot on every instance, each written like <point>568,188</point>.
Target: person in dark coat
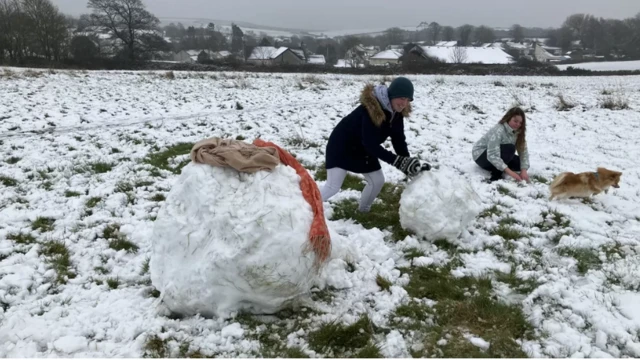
<point>355,143</point>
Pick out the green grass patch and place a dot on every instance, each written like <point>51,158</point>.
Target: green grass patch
<point>383,283</point>
<point>539,179</point>
<point>338,340</point>
<point>507,221</point>
<point>507,232</point>
<point>100,167</point>
<point>493,210</point>
<point>13,160</point>
<point>412,253</point>
<point>58,258</point>
<point>143,183</point>
<point>519,285</point>
<point>156,348</point>
<point>587,259</point>
<point>412,316</point>
<point>145,267</point>
<point>321,173</point>
<point>113,283</point>
<point>69,193</point>
<point>8,181</point>
<point>504,191</point>
<point>438,284</point>
<point>446,245</point>
<point>22,238</point>
<point>160,159</point>
<point>158,197</point>
<point>554,220</point>
<point>464,304</point>
<point>43,224</point>
<point>383,215</point>
<point>117,240</point>
<point>272,334</point>
<point>93,201</point>
<point>123,187</point>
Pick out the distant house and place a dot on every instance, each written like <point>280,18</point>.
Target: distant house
<point>360,54</point>
<point>182,56</point>
<point>213,55</point>
<point>386,57</point>
<point>269,55</point>
<point>540,54</point>
<point>300,53</point>
<point>316,60</point>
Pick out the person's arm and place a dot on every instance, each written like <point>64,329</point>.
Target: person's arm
<point>524,158</point>
<point>398,139</point>
<point>369,135</point>
<point>493,150</point>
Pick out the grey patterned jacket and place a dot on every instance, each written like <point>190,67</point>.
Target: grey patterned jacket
<point>498,135</point>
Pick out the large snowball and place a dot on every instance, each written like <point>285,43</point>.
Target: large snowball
<point>226,241</point>
<point>438,204</point>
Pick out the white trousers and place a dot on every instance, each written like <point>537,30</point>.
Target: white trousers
<point>335,178</point>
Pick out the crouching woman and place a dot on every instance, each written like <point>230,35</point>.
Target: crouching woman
<point>355,142</point>
<point>496,150</point>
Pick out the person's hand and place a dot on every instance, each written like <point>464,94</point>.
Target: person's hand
<point>425,167</point>
<point>513,174</point>
<point>524,175</point>
<point>408,165</point>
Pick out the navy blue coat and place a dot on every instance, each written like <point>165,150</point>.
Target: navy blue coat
<point>355,143</point>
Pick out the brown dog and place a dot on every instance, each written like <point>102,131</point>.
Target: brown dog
<point>584,184</point>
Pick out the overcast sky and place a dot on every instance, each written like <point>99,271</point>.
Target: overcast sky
<point>363,14</point>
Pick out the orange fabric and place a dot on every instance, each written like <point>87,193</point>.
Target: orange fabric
<point>319,237</point>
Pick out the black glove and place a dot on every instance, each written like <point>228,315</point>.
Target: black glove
<point>408,165</point>
<point>425,167</point>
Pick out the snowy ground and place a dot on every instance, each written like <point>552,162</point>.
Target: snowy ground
<point>78,197</point>
<point>604,65</point>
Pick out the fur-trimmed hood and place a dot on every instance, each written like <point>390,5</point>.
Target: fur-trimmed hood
<point>370,102</point>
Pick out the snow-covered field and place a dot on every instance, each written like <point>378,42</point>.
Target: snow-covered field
<point>79,196</point>
<point>605,65</point>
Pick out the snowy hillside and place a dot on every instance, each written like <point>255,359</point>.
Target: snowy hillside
<point>88,158</point>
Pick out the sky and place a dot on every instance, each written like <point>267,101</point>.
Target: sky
<point>367,14</point>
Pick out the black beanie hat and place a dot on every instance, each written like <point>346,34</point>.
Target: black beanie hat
<point>401,87</point>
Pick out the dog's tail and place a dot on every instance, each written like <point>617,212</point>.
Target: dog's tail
<point>558,180</point>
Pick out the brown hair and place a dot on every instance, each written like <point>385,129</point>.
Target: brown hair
<point>520,141</point>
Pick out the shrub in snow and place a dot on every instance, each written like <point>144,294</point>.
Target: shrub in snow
<point>438,204</point>
<point>226,240</point>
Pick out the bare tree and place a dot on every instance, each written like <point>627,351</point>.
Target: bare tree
<point>129,21</point>
<point>448,33</point>
<point>395,35</point>
<point>464,34</point>
<point>263,53</point>
<point>484,34</point>
<point>14,30</point>
<point>517,33</point>
<point>434,31</point>
<point>458,55</point>
<point>48,26</point>
<point>347,44</point>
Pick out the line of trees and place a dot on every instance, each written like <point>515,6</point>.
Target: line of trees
<point>36,29</point>
<point>124,29</point>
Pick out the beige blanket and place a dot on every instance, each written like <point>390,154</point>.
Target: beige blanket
<point>237,154</point>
